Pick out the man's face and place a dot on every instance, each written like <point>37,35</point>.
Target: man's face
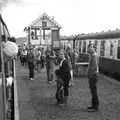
<point>90,50</point>
<point>61,55</point>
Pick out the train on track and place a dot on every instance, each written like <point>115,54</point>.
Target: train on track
<point>7,69</point>
<point>107,46</point>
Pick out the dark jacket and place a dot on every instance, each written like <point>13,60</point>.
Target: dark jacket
<point>93,66</point>
<point>50,57</point>
<point>65,70</point>
<point>30,57</point>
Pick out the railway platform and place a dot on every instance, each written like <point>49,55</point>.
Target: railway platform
<point>35,100</point>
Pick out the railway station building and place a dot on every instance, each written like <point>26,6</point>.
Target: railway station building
<point>43,32</point>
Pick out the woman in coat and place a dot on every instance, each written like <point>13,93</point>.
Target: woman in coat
<point>65,75</point>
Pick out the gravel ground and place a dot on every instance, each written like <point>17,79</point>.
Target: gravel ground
<point>36,99</point>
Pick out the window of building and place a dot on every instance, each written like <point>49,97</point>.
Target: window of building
<point>44,24</point>
<point>47,35</point>
<point>36,37</point>
<point>32,35</point>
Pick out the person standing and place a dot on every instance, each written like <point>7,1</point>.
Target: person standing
<point>70,58</point>
<point>42,58</point>
<point>93,78</point>
<point>38,60</point>
<point>65,75</point>
<point>50,57</point>
<point>31,60</point>
<point>24,53</point>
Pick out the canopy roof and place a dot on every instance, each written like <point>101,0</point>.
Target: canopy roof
<point>101,35</point>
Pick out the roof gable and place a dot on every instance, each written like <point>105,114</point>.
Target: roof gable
<point>45,18</point>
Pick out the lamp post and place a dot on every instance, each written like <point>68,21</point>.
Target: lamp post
<point>40,36</point>
<point>74,39</point>
<point>28,29</point>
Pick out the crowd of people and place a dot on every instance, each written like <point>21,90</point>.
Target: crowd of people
<point>64,60</point>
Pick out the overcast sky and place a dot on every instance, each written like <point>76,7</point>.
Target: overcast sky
<point>75,16</point>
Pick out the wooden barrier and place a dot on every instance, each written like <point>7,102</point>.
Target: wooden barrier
<point>81,68</point>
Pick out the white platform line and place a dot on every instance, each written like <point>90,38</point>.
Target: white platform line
<point>16,109</point>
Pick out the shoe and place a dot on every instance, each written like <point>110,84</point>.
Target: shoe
<point>31,79</point>
<point>61,104</point>
<point>92,109</point>
<point>65,100</point>
<point>58,103</point>
<point>71,84</point>
<point>49,82</point>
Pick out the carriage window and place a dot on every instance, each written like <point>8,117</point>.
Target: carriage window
<point>90,42</point>
<point>76,44</point>
<point>96,44</point>
<point>102,48</point>
<point>111,48</point>
<point>118,50</point>
<point>80,43</point>
<point>84,47</point>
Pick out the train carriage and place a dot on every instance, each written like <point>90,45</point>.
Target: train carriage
<point>7,70</point>
<point>107,46</point>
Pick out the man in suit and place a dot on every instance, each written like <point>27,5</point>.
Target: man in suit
<point>93,78</point>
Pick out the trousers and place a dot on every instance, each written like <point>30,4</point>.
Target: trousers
<point>31,69</point>
<point>93,89</point>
